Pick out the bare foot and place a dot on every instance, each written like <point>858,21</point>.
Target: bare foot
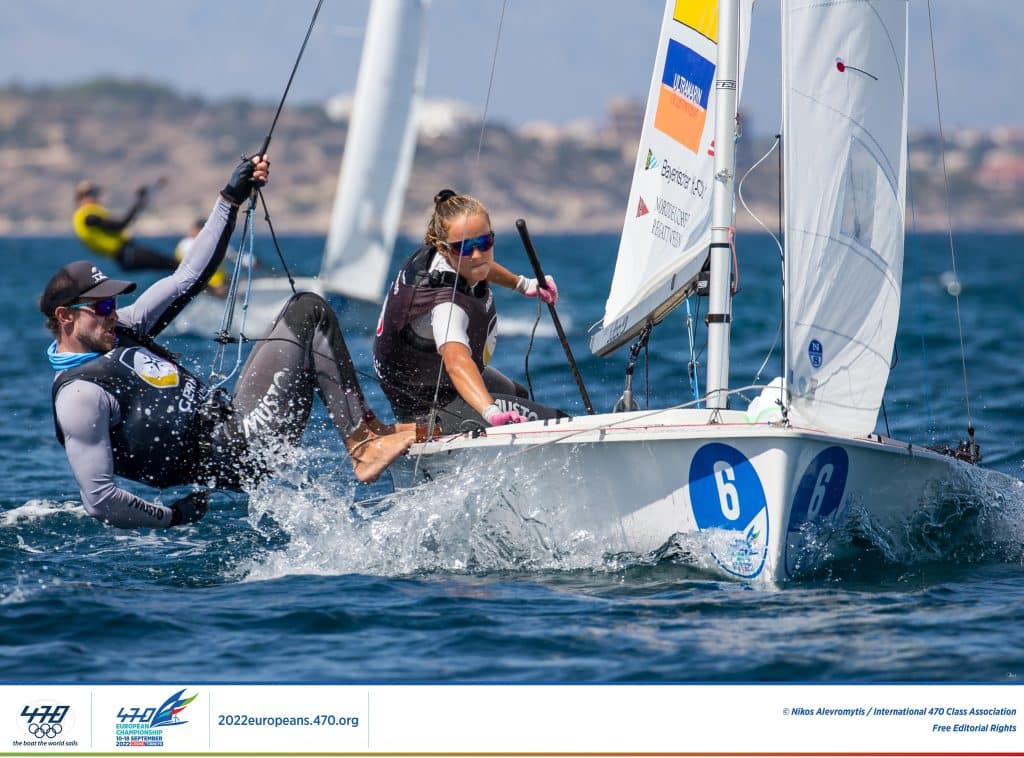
<point>373,454</point>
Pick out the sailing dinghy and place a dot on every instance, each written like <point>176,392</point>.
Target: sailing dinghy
<point>759,495</point>
<point>374,174</point>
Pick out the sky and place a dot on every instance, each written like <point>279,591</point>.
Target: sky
<point>557,60</point>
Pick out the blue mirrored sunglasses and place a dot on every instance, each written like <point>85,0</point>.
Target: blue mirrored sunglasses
<point>465,248</point>
<point>103,307</point>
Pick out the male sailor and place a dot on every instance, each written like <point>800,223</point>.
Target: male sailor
<point>125,406</point>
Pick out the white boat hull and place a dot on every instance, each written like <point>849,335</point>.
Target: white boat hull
<point>751,501</point>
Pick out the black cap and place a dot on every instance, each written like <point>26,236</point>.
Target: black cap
<point>77,280</point>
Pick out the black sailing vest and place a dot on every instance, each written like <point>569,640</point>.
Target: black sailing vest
<point>406,363</point>
<point>157,439</point>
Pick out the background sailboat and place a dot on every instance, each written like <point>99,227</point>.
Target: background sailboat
<point>769,497</point>
<point>378,156</point>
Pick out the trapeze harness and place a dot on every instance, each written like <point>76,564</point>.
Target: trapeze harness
<point>160,401</point>
<point>407,363</point>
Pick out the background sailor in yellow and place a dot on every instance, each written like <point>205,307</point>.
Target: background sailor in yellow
<point>108,236</point>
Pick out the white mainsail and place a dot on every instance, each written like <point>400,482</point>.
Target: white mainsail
<point>667,228</point>
<point>378,150</point>
<point>845,127</point>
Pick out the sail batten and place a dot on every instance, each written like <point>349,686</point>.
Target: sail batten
<point>667,226</point>
<point>845,127</point>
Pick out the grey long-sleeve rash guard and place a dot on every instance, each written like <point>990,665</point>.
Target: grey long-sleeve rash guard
<point>86,412</point>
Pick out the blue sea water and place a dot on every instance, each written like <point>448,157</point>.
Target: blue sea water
<point>294,582</point>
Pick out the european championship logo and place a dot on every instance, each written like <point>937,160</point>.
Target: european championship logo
<point>686,83</point>
<point>144,726</point>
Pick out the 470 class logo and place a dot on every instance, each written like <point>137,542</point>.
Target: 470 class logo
<point>44,721</point>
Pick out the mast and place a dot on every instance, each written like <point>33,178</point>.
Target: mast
<point>722,207</point>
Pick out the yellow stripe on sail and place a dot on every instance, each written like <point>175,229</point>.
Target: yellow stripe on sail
<point>699,15</point>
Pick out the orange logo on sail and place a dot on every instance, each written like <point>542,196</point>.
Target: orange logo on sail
<point>686,82</point>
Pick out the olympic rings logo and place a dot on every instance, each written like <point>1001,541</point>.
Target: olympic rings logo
<point>44,731</point>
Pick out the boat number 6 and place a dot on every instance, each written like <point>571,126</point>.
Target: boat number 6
<point>818,494</point>
<point>728,495</point>
<point>725,491</point>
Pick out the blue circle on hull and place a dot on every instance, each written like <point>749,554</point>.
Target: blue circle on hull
<point>726,494</point>
<point>821,488</point>
<point>818,497</point>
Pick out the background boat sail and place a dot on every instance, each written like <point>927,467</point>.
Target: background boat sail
<point>759,501</point>
<point>374,174</point>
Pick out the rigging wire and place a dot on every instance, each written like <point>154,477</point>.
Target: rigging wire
<point>432,417</point>
<point>920,304</point>
<point>949,221</point>
<point>739,191</point>
<point>231,300</point>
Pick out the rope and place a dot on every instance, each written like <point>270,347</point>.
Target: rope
<point>529,349</point>
<point>217,368</point>
<point>692,365</point>
<point>949,222</point>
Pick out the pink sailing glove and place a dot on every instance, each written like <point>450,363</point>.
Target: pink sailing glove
<point>529,288</point>
<point>494,416</point>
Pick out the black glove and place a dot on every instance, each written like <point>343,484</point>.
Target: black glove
<point>190,508</point>
<point>241,184</point>
<point>141,198</point>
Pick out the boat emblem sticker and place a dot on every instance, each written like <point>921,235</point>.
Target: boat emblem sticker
<point>818,496</point>
<point>728,500</point>
<point>150,368</point>
<point>815,353</point>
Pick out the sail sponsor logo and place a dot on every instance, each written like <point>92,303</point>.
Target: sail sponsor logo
<point>699,15</point>
<point>151,369</point>
<point>641,208</point>
<point>651,161</point>
<point>682,108</point>
<point>815,353</point>
<point>672,212</point>
<point>666,233</point>
<point>695,186</point>
<point>728,501</point>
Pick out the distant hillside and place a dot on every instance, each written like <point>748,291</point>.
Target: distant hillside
<point>125,133</point>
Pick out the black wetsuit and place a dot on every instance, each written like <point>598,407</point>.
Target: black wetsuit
<point>136,412</point>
